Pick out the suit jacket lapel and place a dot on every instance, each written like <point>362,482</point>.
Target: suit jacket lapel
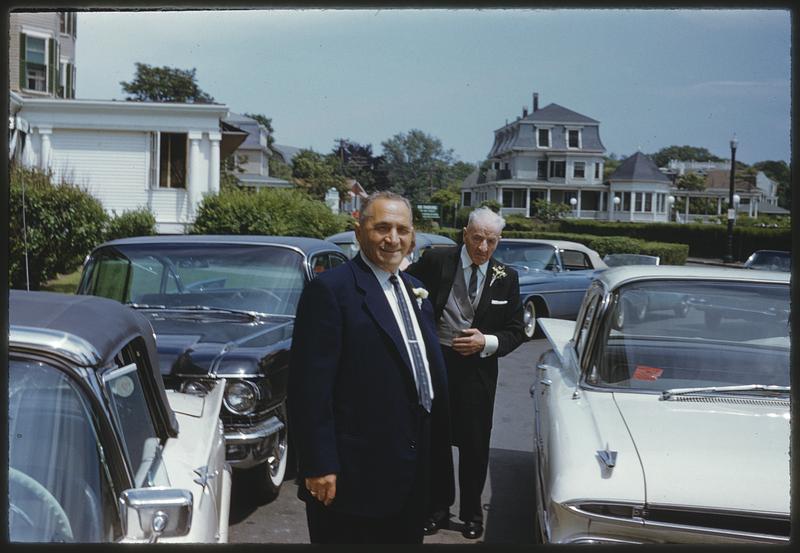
<point>377,305</point>
<point>483,304</point>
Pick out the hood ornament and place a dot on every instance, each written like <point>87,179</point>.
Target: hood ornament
<point>608,457</point>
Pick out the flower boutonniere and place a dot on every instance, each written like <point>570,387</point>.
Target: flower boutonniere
<point>498,271</point>
<point>420,294</point>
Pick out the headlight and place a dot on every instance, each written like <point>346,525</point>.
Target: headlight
<point>241,397</point>
<point>195,387</point>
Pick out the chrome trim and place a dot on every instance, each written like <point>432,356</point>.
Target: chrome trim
<point>267,428</point>
<point>217,377</point>
<point>252,385</point>
<point>608,457</point>
<point>589,539</point>
<point>72,348</point>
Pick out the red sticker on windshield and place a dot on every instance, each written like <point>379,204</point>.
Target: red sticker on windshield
<point>643,372</point>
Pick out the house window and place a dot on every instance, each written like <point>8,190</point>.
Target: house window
<point>626,201</point>
<point>558,169</point>
<point>35,61</point>
<point>496,165</point>
<point>543,138</point>
<point>67,23</point>
<point>597,170</point>
<point>579,170</point>
<point>467,199</point>
<point>573,138</point>
<point>648,202</point>
<point>637,201</point>
<point>514,197</point>
<point>168,160</point>
<point>62,22</point>
<point>542,169</point>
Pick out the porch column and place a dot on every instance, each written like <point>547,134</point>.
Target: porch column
<point>755,203</point>
<point>578,213</point>
<point>528,202</point>
<point>47,149</point>
<point>719,206</point>
<point>193,186</point>
<point>686,220</point>
<point>548,195</point>
<point>213,176</point>
<point>631,207</point>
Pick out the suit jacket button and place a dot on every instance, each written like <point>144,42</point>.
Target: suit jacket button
<point>413,444</point>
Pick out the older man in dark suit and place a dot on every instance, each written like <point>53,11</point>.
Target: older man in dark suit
<point>368,404</point>
<point>478,312</point>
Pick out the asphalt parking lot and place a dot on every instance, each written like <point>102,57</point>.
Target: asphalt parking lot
<point>507,496</point>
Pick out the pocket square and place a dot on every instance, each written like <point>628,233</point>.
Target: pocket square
<point>499,302</point>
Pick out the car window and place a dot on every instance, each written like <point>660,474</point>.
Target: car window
<point>337,259</point>
<point>59,488</point>
<point>261,278</point>
<point>524,255</point>
<point>320,263</point>
<point>131,411</point>
<point>586,319</point>
<point>674,334</point>
<point>574,260</point>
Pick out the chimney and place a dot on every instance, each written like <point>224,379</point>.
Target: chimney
<point>535,101</point>
<point>524,111</point>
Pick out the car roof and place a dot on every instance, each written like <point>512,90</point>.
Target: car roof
<point>86,330</point>
<point>614,277</point>
<point>562,245</point>
<point>777,252</point>
<point>306,244</point>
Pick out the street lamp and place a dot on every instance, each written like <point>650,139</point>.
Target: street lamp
<point>731,206</point>
<point>573,202</point>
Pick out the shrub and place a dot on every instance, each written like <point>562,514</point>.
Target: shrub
<point>273,211</point>
<point>139,222</point>
<point>62,224</point>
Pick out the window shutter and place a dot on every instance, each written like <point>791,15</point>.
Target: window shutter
<point>22,67</point>
<point>52,69</point>
<point>72,72</point>
<point>68,80</point>
<point>74,17</point>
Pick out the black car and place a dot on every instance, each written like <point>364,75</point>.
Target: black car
<point>98,450</point>
<point>769,260</point>
<point>221,307</point>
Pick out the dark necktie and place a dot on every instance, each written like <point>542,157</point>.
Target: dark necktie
<point>423,387</point>
<point>473,283</point>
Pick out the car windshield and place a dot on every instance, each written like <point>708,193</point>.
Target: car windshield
<point>57,489</point>
<point>661,335</point>
<point>260,278</point>
<point>531,256</point>
<point>770,261</point>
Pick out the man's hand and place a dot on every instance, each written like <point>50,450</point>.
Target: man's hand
<point>322,488</point>
<point>471,341</point>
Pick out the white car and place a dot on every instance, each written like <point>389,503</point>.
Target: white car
<point>98,451</point>
<point>672,426</point>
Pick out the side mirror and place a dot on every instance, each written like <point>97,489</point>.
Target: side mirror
<point>152,513</point>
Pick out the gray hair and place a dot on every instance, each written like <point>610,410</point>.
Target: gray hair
<point>484,215</point>
<point>381,195</point>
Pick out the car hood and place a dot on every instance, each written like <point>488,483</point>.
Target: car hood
<point>724,453</point>
<point>202,343</point>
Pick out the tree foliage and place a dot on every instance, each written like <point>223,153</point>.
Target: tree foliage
<point>549,211</point>
<point>691,181</point>
<point>417,164</point>
<point>316,174</point>
<point>62,224</point>
<point>136,222</point>
<point>272,211</point>
<point>781,173</point>
<point>357,161</point>
<point>682,153</point>
<point>165,84</point>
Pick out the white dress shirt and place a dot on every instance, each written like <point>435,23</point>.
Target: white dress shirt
<point>383,280</point>
<point>466,265</point>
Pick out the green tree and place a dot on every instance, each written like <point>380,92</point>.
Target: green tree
<point>417,164</point>
<point>357,161</point>
<point>610,164</point>
<point>165,84</point>
<point>448,198</point>
<point>682,153</point>
<point>781,173</point>
<point>316,173</point>
<point>691,181</point>
<point>549,211</point>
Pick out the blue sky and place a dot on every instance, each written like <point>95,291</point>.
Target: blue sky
<point>652,78</point>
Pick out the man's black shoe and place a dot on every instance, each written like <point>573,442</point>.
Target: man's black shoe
<point>434,524</point>
<point>472,530</point>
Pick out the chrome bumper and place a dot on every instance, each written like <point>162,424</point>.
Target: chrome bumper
<point>250,447</point>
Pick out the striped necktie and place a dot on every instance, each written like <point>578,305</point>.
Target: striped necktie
<point>472,289</point>
<point>423,386</point>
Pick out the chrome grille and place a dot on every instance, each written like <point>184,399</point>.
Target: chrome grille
<point>768,402</point>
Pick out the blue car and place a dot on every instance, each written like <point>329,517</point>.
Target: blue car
<point>553,276</point>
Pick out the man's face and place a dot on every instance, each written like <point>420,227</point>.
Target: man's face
<point>387,234</point>
<point>480,241</point>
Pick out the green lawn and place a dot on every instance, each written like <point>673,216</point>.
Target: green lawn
<point>64,284</point>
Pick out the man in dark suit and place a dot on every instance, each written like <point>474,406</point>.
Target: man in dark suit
<point>368,405</point>
<point>478,313</point>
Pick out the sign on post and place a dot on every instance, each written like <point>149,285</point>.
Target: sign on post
<point>429,211</point>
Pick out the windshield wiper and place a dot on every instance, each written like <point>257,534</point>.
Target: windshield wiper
<point>251,314</point>
<point>666,394</point>
<point>144,305</point>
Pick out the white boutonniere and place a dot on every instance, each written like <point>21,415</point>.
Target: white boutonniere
<point>420,294</point>
<point>498,271</point>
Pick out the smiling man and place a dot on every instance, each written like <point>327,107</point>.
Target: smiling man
<point>367,391</point>
<point>479,318</point>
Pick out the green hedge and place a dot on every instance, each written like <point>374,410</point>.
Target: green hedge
<point>704,240</point>
<point>139,222</point>
<point>670,254</point>
<point>275,211</point>
<point>62,224</point>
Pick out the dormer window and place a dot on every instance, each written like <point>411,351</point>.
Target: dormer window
<point>573,138</point>
<point>543,138</point>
